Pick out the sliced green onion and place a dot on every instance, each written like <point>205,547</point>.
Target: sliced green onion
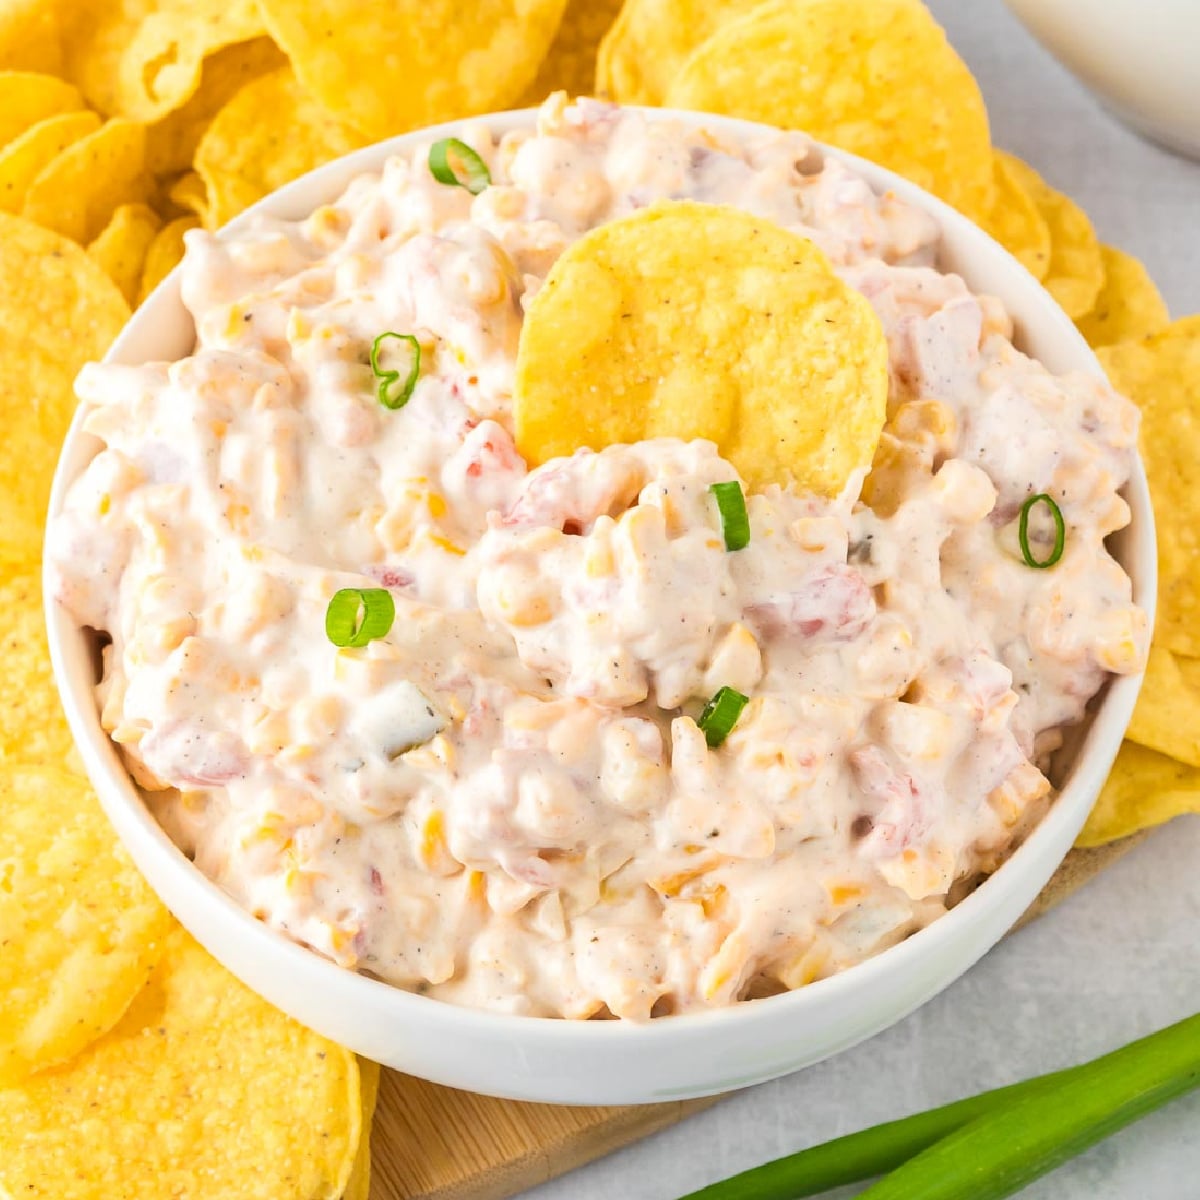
<point>735,523</point>
<point>721,714</point>
<point>395,392</point>
<point>986,1146</point>
<point>356,616</point>
<point>1060,531</point>
<point>474,173</point>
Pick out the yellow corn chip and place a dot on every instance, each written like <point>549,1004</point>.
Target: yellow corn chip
<point>1167,717</point>
<point>1161,374</point>
<point>82,929</point>
<point>1076,271</point>
<point>390,67</point>
<point>27,98</point>
<point>1129,305</point>
<point>142,58</point>
<point>77,192</point>
<point>699,321</point>
<point>172,140</point>
<point>122,247</point>
<point>1015,220</point>
<point>570,63</point>
<point>33,729</point>
<point>358,1187</point>
<point>1144,789</point>
<point>202,1090</point>
<point>642,53</point>
<point>165,254</point>
<point>190,193</point>
<point>24,159</point>
<point>30,36</point>
<point>878,79</point>
<point>242,157</point>
<point>58,310</point>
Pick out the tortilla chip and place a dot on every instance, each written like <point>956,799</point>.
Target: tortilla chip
<point>651,39</point>
<point>24,159</point>
<point>878,79</point>
<point>27,98</point>
<point>30,36</point>
<point>1129,304</point>
<point>1015,220</point>
<point>1144,789</point>
<point>201,1090</point>
<point>358,1186</point>
<point>33,729</point>
<point>77,193</point>
<point>1075,273</point>
<point>242,157</point>
<point>390,67</point>
<point>172,140</point>
<point>570,63</point>
<point>58,310</point>
<point>1161,374</point>
<point>165,254</point>
<point>82,929</point>
<point>143,58</point>
<point>1167,717</point>
<point>699,321</point>
<point>122,247</point>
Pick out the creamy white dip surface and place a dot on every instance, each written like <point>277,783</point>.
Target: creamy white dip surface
<point>506,802</point>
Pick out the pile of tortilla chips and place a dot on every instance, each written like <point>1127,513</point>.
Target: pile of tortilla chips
<point>130,1062</point>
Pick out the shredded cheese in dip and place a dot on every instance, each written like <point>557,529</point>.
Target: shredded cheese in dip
<point>506,802</point>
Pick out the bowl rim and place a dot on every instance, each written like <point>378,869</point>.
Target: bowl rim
<point>309,969</point>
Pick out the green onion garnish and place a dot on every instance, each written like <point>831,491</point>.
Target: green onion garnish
<point>721,714</point>
<point>1060,531</point>
<point>395,392</point>
<point>993,1144</point>
<point>356,616</point>
<point>474,174</point>
<point>735,524</point>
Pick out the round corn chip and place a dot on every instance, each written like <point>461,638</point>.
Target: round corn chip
<point>1167,717</point>
<point>1015,220</point>
<point>33,729</point>
<point>1143,789</point>
<point>30,36</point>
<point>1075,273</point>
<point>171,141</point>
<point>202,1090</point>
<point>1161,374</point>
<point>164,254</point>
<point>122,247</point>
<point>142,58</point>
<point>390,67</point>
<point>1129,304</point>
<point>242,157</point>
<point>58,310</point>
<point>570,63</point>
<point>651,39</point>
<point>24,159</point>
<point>699,321</point>
<point>27,98</point>
<point>877,79</point>
<point>81,928</point>
<point>358,1186</point>
<point>76,194</point>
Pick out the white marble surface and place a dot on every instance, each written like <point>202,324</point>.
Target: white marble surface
<point>1119,959</point>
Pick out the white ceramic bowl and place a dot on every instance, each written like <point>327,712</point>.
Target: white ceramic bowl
<point>607,1062</point>
<point>1138,56</point>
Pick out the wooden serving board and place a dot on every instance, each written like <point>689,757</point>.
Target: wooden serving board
<point>434,1143</point>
